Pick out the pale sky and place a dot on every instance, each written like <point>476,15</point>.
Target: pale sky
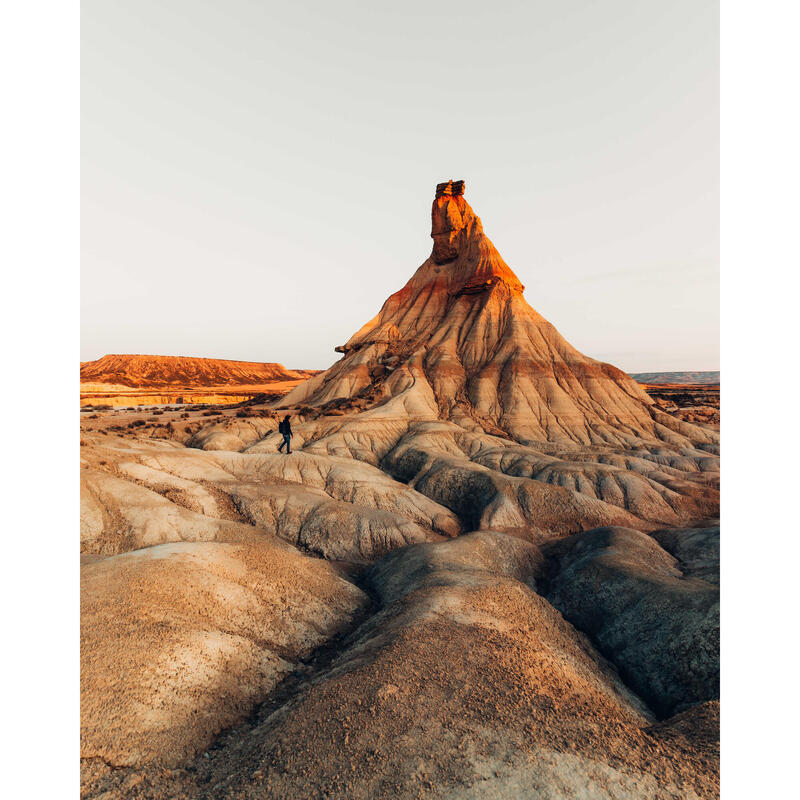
<point>257,176</point>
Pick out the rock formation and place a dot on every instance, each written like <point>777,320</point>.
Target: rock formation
<point>498,546</point>
<point>459,342</point>
<point>123,380</point>
<point>162,372</point>
<point>461,390</point>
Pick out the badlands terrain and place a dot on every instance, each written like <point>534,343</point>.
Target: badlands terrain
<point>488,569</point>
<point>693,402</point>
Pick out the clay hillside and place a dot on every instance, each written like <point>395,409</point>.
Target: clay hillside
<point>488,568</point>
<point>135,379</point>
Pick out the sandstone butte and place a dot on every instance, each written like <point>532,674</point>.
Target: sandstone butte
<point>489,568</point>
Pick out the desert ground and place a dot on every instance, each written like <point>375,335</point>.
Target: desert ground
<point>488,569</point>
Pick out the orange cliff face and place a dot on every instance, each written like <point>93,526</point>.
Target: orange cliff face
<point>448,220</point>
<point>459,242</point>
<point>463,261</point>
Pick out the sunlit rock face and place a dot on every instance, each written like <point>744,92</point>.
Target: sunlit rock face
<point>448,219</point>
<point>460,342</point>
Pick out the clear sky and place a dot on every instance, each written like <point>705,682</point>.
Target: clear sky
<point>257,176</point>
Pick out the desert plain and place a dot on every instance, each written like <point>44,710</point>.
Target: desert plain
<point>488,569</point>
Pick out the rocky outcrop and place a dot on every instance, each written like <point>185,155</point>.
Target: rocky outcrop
<point>447,220</point>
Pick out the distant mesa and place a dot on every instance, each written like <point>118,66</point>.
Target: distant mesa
<point>708,377</point>
<point>125,378</point>
<point>159,372</point>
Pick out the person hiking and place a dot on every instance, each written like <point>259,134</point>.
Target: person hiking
<point>286,429</point>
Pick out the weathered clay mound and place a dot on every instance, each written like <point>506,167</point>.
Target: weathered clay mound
<point>336,508</point>
<point>464,683</point>
<point>179,641</point>
<point>697,551</point>
<point>659,626</point>
<point>118,515</point>
<point>460,389</point>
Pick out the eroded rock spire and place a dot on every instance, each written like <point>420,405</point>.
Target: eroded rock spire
<point>447,220</point>
<point>460,343</point>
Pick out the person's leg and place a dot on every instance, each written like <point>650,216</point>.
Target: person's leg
<point>288,444</point>
<point>280,446</point>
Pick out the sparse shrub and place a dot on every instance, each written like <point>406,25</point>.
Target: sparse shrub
<point>249,412</point>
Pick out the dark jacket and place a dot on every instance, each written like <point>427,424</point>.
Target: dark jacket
<point>284,427</point>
